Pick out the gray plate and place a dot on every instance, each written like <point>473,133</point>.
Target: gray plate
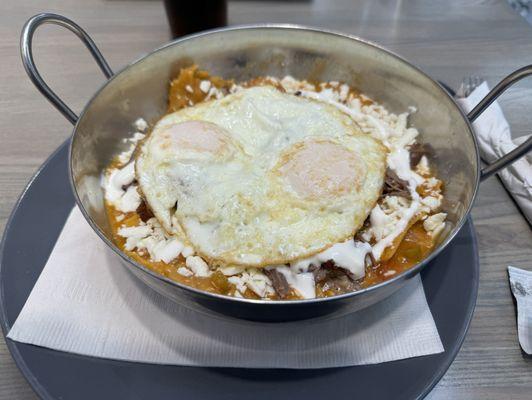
<point>450,282</point>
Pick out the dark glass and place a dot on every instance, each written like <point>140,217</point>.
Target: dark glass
<point>192,16</point>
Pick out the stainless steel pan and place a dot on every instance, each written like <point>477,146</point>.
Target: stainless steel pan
<point>140,90</point>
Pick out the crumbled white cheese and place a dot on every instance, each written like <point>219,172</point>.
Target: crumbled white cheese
<point>171,250</point>
<point>344,91</point>
<point>151,237</point>
<point>238,282</point>
<point>205,86</point>
<point>214,92</point>
<point>130,201</point>
<point>401,123</point>
<point>184,271</point>
<point>432,183</point>
<point>198,266</point>
<point>139,231</point>
<point>435,224</point>
<point>292,85</point>
<point>114,182</point>
<point>407,138</point>
<point>134,234</point>
<point>231,270</point>
<point>141,125</point>
<point>258,282</point>
<point>125,156</point>
<point>254,280</point>
<point>422,167</point>
<point>433,203</point>
<point>187,251</point>
<point>137,137</point>
<point>258,287</point>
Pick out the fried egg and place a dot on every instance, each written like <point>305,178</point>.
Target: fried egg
<point>260,177</point>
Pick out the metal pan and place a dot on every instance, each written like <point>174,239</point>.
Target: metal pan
<point>244,52</point>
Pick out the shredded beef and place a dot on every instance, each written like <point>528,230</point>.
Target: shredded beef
<point>395,186</point>
<point>144,212</point>
<point>341,284</point>
<point>338,280</point>
<point>328,275</point>
<point>279,283</point>
<point>321,271</point>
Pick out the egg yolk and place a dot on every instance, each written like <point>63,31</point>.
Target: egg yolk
<point>197,136</point>
<point>323,169</point>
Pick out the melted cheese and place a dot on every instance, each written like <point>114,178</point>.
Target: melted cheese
<point>303,282</point>
<point>349,255</point>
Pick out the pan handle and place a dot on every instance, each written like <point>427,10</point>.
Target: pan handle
<point>26,51</point>
<point>499,89</point>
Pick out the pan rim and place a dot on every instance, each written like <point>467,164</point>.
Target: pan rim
<point>403,276</point>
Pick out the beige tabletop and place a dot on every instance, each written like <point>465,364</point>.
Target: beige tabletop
<point>449,40</point>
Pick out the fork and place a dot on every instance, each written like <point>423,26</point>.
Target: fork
<point>468,84</point>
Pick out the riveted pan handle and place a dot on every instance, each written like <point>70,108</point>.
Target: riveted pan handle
<point>499,89</point>
<point>29,65</point>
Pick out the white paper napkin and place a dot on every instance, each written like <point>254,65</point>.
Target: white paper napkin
<point>495,140</point>
<point>521,285</point>
<point>85,302</point>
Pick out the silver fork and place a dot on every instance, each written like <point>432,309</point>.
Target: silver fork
<point>468,84</point>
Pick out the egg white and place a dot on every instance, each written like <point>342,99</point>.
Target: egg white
<point>260,177</point>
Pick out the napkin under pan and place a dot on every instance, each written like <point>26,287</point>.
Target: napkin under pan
<point>85,302</point>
